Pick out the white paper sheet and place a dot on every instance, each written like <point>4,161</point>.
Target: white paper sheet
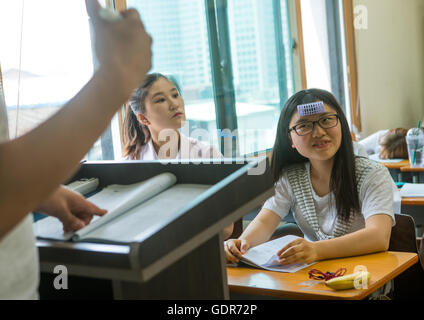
<point>264,256</point>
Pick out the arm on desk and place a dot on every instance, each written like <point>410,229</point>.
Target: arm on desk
<point>258,231</point>
<point>374,237</point>
<point>228,231</point>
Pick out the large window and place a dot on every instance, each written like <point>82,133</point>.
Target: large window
<point>181,50</point>
<point>46,57</point>
<point>231,58</point>
<point>325,53</point>
<point>182,36</point>
<point>261,56</point>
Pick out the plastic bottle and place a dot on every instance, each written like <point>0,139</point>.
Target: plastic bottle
<point>415,142</point>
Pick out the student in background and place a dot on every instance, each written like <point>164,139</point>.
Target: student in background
<point>343,204</point>
<point>388,144</point>
<point>157,107</point>
<point>359,150</point>
<point>155,111</point>
<point>57,145</point>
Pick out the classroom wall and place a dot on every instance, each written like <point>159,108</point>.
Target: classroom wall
<point>390,56</point>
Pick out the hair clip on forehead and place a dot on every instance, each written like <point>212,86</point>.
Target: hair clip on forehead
<point>310,108</point>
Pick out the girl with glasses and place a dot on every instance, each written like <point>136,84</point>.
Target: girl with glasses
<point>343,204</point>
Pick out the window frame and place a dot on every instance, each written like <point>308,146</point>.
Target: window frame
<point>355,108</point>
<point>221,61</point>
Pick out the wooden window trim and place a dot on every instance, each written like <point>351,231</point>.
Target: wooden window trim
<point>1,79</point>
<point>120,5</point>
<point>352,66</point>
<point>301,45</point>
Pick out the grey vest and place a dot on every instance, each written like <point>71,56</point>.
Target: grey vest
<point>302,189</point>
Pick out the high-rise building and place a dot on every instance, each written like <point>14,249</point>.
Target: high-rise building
<point>253,49</point>
<point>181,45</point>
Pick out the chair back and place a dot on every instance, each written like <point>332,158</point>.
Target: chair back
<point>409,284</point>
<point>403,237</point>
<point>238,229</point>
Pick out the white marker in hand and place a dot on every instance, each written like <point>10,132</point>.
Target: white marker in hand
<point>110,15</point>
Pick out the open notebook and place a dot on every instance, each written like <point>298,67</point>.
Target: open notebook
<point>376,157</point>
<point>133,211</point>
<point>264,256</point>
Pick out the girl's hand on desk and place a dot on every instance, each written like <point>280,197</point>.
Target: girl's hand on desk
<point>298,251</point>
<point>234,249</point>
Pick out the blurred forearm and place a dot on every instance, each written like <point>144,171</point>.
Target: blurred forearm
<point>33,165</point>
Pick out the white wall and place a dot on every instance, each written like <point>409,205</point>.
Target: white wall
<point>315,41</point>
<point>390,56</point>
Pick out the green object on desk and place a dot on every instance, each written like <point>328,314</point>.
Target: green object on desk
<point>399,184</point>
<point>416,144</point>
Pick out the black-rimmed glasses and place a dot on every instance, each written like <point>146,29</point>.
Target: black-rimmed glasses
<point>326,122</point>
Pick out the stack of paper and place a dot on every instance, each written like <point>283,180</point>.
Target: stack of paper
<point>265,256</point>
<point>412,190</point>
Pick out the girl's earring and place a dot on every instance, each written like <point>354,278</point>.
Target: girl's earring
<point>142,120</point>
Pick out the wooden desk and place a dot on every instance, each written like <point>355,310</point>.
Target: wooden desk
<point>411,169</point>
<point>414,206</point>
<point>396,165</point>
<point>394,169</point>
<point>410,201</point>
<point>383,267</point>
<point>417,173</point>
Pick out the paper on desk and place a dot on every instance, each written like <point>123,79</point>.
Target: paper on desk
<point>412,190</point>
<point>375,157</point>
<point>265,256</point>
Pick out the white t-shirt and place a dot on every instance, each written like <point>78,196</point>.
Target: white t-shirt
<point>371,144</point>
<point>376,196</point>
<point>19,273</point>
<point>359,150</point>
<point>190,149</point>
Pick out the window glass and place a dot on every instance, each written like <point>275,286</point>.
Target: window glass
<point>319,36</point>
<point>255,69</point>
<point>181,50</point>
<point>46,57</point>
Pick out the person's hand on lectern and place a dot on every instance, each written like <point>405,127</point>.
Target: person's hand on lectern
<point>71,208</point>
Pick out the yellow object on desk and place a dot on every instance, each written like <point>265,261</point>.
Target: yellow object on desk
<point>357,280</point>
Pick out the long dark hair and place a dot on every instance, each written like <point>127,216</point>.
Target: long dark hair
<point>393,144</point>
<point>343,179</point>
<point>136,135</point>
